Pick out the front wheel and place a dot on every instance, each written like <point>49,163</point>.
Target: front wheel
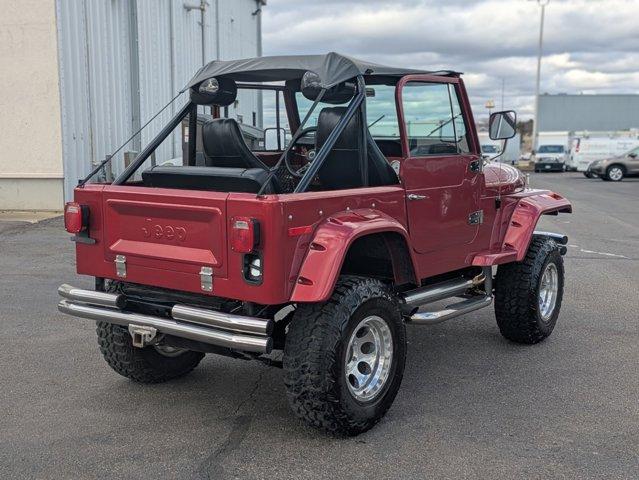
<point>614,173</point>
<point>344,359</point>
<point>588,175</point>
<point>528,294</point>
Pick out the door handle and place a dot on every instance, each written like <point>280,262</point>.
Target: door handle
<point>414,196</point>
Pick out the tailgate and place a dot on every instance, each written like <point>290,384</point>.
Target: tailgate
<point>165,230</point>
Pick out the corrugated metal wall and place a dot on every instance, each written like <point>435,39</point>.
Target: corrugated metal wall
<point>123,60</point>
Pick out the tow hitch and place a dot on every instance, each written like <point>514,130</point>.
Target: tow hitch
<point>141,335</point>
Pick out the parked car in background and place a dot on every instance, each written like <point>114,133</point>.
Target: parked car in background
<point>615,168</point>
<point>550,158</point>
<point>585,150</point>
<point>489,150</point>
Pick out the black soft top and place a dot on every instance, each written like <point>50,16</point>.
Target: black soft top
<point>332,68</point>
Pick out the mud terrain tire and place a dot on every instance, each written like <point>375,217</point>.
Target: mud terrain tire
<point>517,293</point>
<point>316,351</point>
<point>142,365</point>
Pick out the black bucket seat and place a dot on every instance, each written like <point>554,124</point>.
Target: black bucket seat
<point>341,168</point>
<point>228,165</point>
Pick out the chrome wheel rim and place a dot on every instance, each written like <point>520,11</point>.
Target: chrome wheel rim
<point>169,351</point>
<point>369,357</point>
<point>548,290</point>
<point>615,173</point>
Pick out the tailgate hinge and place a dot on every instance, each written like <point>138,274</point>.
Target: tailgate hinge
<point>206,279</point>
<point>120,266</point>
<point>476,218</point>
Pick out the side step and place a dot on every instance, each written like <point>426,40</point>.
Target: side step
<point>451,311</point>
<point>414,299</point>
<point>237,332</point>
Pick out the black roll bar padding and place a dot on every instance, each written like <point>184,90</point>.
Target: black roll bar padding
<point>332,137</point>
<point>192,136</point>
<point>150,148</point>
<point>363,143</point>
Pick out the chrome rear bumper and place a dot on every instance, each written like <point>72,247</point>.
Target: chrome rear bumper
<point>238,332</point>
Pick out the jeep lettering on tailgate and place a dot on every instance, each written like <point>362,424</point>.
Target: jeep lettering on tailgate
<point>168,232</point>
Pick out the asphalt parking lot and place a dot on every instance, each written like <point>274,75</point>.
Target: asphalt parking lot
<point>471,404</point>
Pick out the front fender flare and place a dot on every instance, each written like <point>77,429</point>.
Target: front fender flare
<point>521,227</point>
<point>328,248</point>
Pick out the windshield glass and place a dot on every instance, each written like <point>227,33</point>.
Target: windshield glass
<point>551,149</point>
<point>381,114</point>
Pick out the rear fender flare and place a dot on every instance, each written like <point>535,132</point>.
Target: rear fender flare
<point>329,246</point>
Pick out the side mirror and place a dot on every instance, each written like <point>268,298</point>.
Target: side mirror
<point>274,139</point>
<point>632,155</point>
<point>502,125</point>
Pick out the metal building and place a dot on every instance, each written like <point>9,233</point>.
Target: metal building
<point>93,72</point>
<point>595,113</point>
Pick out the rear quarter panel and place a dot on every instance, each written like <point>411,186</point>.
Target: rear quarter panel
<point>120,215</point>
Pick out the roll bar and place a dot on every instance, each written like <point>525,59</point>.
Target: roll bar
<point>352,109</point>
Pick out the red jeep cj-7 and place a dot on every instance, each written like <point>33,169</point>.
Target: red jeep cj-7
<point>378,211</point>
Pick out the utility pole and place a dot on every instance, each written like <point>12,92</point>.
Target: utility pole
<point>535,132</point>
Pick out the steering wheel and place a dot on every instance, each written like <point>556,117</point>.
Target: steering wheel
<point>298,173</point>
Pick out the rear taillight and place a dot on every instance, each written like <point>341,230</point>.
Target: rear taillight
<point>75,217</point>
<point>245,234</point>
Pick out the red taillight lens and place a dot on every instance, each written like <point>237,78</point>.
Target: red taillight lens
<point>244,234</point>
<point>73,218</point>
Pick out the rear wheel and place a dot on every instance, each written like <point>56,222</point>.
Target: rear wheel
<point>615,173</point>
<point>528,294</point>
<point>344,359</point>
<point>151,364</point>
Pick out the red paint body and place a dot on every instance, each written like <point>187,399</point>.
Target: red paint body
<point>168,235</point>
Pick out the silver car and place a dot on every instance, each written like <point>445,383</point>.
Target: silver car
<point>615,168</point>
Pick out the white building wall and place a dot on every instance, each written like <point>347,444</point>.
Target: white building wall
<point>30,143</point>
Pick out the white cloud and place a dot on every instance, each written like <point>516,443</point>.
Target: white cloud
<point>589,45</point>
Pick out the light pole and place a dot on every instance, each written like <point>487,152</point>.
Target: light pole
<point>535,132</point>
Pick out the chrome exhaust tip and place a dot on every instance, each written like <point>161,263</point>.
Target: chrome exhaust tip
<point>91,297</point>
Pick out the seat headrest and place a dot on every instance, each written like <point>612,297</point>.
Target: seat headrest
<point>328,120</point>
<point>224,145</point>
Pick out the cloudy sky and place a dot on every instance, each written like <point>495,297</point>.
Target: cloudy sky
<point>590,46</point>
